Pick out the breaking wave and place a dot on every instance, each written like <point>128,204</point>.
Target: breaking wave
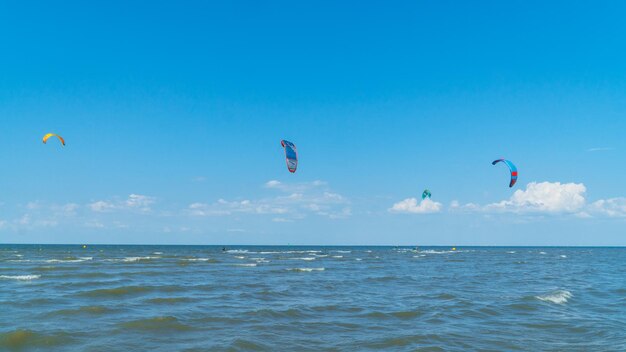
<point>556,297</point>
<point>20,277</point>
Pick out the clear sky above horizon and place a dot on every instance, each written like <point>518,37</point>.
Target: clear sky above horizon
<point>173,115</point>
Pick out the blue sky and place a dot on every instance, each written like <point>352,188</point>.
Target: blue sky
<point>173,115</point>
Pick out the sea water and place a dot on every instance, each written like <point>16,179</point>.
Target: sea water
<point>200,298</point>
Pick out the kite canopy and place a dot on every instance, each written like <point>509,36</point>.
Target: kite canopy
<point>512,168</point>
<point>47,136</point>
<point>291,155</point>
<point>426,194</point>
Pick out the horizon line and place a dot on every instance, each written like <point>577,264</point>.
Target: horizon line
<point>313,245</point>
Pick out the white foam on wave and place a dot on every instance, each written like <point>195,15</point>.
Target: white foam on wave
<point>343,251</point>
<point>237,251</point>
<point>289,252</point>
<point>431,251</point>
<point>197,259</point>
<point>305,258</point>
<point>419,256</point>
<point>543,253</point>
<point>157,253</point>
<point>358,259</point>
<point>338,256</point>
<point>511,252</point>
<point>563,256</point>
<point>240,257</point>
<point>20,277</point>
<point>132,259</point>
<point>295,252</point>
<point>306,270</point>
<point>82,259</point>
<point>246,265</point>
<point>556,297</point>
<point>321,255</point>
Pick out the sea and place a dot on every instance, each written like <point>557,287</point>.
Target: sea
<point>255,298</point>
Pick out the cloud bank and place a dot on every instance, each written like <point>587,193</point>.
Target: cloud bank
<point>551,198</point>
<point>411,206</point>
<point>614,207</point>
<point>294,201</point>
<point>544,197</point>
<point>135,202</point>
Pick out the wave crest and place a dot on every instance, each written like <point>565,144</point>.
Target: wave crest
<point>20,277</point>
<point>305,270</point>
<point>556,297</point>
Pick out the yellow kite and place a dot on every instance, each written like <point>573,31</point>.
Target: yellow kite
<point>47,136</point>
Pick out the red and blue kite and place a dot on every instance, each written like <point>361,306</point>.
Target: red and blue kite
<point>291,154</point>
<point>512,168</point>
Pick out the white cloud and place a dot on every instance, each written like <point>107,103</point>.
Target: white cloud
<point>551,198</point>
<point>69,209</point>
<point>297,201</point>
<point>101,206</point>
<point>614,207</point>
<point>344,213</point>
<point>281,220</point>
<point>224,207</point>
<point>547,197</point>
<point>599,149</point>
<point>139,201</point>
<point>133,202</point>
<point>202,209</point>
<point>286,203</point>
<point>40,214</point>
<point>273,184</point>
<point>410,205</point>
<point>456,205</point>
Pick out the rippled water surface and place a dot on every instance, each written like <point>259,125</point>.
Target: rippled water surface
<point>194,298</point>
